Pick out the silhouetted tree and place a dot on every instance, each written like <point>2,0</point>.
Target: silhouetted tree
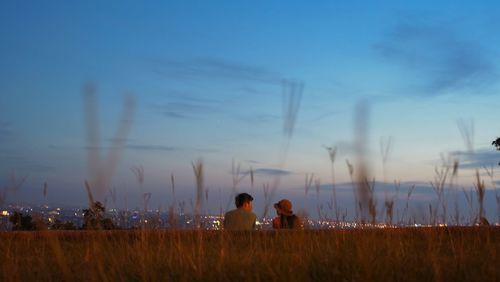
<point>496,143</point>
<point>39,223</point>
<point>483,221</point>
<point>21,222</point>
<point>60,225</point>
<point>93,218</point>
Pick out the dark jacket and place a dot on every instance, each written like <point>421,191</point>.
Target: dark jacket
<point>287,222</point>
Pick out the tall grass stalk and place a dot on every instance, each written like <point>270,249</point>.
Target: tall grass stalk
<point>138,172</point>
<point>101,168</point>
<point>44,191</point>
<point>405,215</point>
<point>438,185</point>
<point>332,151</point>
<point>497,196</point>
<point>199,177</point>
<point>15,184</point>
<point>469,197</point>
<point>385,149</point>
<point>389,203</point>
<point>350,169</point>
<point>480,190</point>
<point>237,176</point>
<point>3,197</point>
<point>308,183</point>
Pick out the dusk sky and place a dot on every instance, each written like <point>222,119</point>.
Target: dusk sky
<point>209,80</point>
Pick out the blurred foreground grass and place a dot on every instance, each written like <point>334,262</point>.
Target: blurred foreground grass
<point>407,254</point>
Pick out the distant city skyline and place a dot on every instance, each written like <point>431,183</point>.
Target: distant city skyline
<point>210,81</point>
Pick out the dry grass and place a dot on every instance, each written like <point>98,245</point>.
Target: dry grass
<point>423,254</point>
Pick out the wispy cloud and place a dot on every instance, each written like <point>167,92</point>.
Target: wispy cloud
<point>207,74</point>
<point>324,115</point>
<point>443,58</point>
<point>181,105</point>
<point>477,159</point>
<point>420,191</point>
<point>207,150</point>
<point>176,115</point>
<point>256,117</point>
<point>163,148</point>
<point>210,68</point>
<point>272,172</point>
<point>36,167</point>
<point>380,186</point>
<point>23,164</point>
<point>146,147</point>
<point>119,140</point>
<point>151,148</point>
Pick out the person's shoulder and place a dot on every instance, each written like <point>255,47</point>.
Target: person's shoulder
<point>253,215</point>
<point>250,216</point>
<point>231,212</point>
<point>240,213</point>
<point>249,213</point>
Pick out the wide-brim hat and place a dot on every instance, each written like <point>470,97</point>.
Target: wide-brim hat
<point>284,207</point>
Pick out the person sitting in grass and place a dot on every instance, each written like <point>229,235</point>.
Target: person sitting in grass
<point>242,218</point>
<point>285,219</point>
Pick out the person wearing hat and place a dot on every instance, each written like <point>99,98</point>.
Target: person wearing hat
<point>285,219</point>
<point>242,218</point>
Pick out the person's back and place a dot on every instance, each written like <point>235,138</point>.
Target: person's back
<point>286,219</point>
<point>239,219</point>
<point>242,218</point>
<point>287,222</point>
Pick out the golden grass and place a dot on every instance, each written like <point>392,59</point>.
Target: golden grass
<point>406,254</point>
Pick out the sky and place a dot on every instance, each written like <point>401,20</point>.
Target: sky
<point>263,85</point>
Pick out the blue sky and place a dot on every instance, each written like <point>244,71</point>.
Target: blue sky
<point>207,79</point>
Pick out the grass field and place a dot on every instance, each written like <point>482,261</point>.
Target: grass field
<point>406,254</point>
<point>362,254</point>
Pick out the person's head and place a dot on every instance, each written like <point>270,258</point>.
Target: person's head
<point>284,207</point>
<point>244,201</point>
